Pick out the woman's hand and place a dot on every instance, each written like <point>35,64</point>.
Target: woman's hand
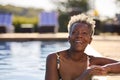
<point>92,71</point>
<point>97,70</point>
<point>112,68</point>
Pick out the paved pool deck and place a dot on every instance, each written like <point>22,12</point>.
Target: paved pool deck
<point>49,36</point>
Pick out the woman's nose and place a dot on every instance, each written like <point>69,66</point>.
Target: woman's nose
<point>79,34</point>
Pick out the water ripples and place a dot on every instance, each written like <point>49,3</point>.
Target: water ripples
<point>26,60</point>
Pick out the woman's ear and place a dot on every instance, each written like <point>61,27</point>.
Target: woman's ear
<point>68,38</point>
<point>90,40</point>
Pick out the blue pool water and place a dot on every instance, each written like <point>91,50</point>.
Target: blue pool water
<point>26,60</point>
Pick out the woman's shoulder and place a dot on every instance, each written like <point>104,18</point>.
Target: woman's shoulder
<point>51,56</point>
<point>51,59</point>
<point>54,55</point>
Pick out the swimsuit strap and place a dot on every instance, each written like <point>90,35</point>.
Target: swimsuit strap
<point>58,65</point>
<point>88,61</point>
<point>58,60</point>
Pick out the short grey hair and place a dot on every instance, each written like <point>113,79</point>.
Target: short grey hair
<point>81,18</point>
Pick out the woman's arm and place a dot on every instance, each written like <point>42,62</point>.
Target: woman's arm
<point>113,67</point>
<point>102,66</point>
<point>95,70</point>
<point>51,68</point>
<point>101,61</point>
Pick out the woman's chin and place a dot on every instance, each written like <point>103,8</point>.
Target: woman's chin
<point>79,50</point>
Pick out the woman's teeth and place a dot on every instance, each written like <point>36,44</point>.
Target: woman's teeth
<point>78,41</point>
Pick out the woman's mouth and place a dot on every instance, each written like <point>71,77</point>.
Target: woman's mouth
<point>79,42</point>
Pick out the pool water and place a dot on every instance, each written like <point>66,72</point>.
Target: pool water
<point>26,60</point>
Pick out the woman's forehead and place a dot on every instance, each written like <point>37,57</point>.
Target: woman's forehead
<point>79,25</point>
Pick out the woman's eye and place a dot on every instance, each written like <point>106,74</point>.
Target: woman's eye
<point>74,32</point>
<point>85,33</point>
<point>79,33</point>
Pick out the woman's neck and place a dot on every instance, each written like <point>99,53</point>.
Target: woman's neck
<point>76,55</point>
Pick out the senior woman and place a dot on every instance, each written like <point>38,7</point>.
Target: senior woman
<point>74,63</point>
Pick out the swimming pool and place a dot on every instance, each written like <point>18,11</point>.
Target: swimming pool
<point>26,60</point>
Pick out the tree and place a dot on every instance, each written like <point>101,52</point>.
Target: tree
<point>118,3</point>
<point>67,5</point>
<point>66,8</point>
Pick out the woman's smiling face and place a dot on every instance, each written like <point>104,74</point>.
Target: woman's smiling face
<point>80,36</point>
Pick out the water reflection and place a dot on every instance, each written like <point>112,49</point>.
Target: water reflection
<point>26,60</point>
